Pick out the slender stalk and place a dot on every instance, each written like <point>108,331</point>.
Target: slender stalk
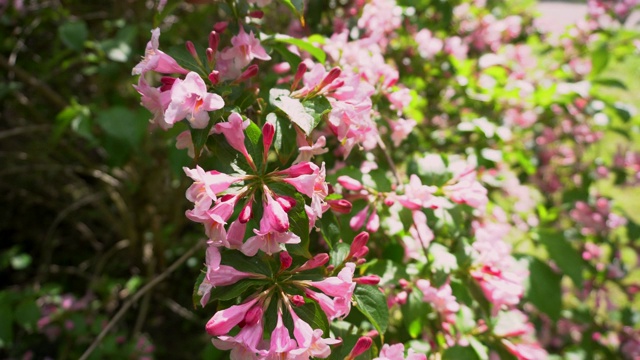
<point>155,281</point>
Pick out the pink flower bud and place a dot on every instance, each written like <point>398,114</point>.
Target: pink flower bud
<point>268,131</point>
<point>253,315</point>
<point>374,222</point>
<point>359,219</point>
<point>332,75</point>
<point>285,260</point>
<point>210,56</point>
<point>315,262</point>
<point>372,333</point>
<point>302,68</point>
<point>297,300</point>
<point>246,213</point>
<point>192,49</point>
<point>403,283</point>
<point>214,77</point>
<point>341,206</point>
<point>223,321</point>
<point>367,280</point>
<point>214,40</point>
<point>349,183</point>
<point>287,202</point>
<point>358,243</point>
<point>304,168</point>
<point>220,26</point>
<point>363,344</point>
<point>361,253</point>
<point>251,71</point>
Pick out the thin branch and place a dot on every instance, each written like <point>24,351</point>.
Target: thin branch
<point>34,82</point>
<point>155,281</point>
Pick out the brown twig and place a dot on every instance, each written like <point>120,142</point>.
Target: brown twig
<point>155,281</point>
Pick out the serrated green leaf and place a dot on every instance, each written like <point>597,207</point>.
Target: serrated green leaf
<point>73,34</point>
<point>563,254</point>
<point>373,305</point>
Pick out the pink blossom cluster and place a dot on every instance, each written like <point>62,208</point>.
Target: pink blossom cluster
<point>596,219</point>
<point>500,276</point>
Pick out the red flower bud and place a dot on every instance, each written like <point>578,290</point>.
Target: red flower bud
<point>287,202</point>
<point>363,344</point>
<point>256,14</point>
<point>367,280</point>
<point>214,77</point>
<point>358,243</point>
<point>192,49</point>
<point>268,131</point>
<point>285,260</point>
<point>341,206</point>
<point>315,262</point>
<point>221,26</point>
<point>297,300</point>
<point>246,213</point>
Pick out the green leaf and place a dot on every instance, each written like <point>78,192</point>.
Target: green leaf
<point>314,316</point>
<point>282,143</point>
<point>304,45</point>
<point>544,288</point>
<point>318,107</point>
<point>330,228</point>
<point>611,83</point>
<point>253,142</point>
<point>413,313</point>
<point>599,59</point>
<point>339,253</point>
<point>123,124</point>
<point>373,305</point>
<point>195,294</point>
<point>460,352</point>
<point>6,325</point>
<point>73,34</point>
<point>199,138</point>
<point>27,314</point>
<point>291,58</point>
<point>229,292</point>
<point>252,264</point>
<point>564,255</point>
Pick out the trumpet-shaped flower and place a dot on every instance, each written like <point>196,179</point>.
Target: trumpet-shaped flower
<point>156,60</point>
<point>190,100</point>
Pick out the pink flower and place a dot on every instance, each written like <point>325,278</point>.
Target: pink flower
<point>428,46</point>
<point>401,129</point>
<point>281,342</point>
<point>247,47</point>
<point>190,100</point>
<point>396,352</point>
<point>156,60</point>
<point>309,151</point>
<point>275,218</point>
<point>342,285</point>
<point>467,191</point>
<point>223,321</point>
<point>155,100</point>
<point>441,299</point>
<point>233,131</point>
<point>417,195</point>
<point>268,240</point>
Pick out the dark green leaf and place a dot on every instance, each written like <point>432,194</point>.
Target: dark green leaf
<point>314,316</point>
<point>6,325</point>
<point>339,253</point>
<point>373,305</point>
<point>544,288</point>
<point>283,144</point>
<point>318,107</point>
<point>564,255</point>
<point>195,295</point>
<point>414,312</point>
<point>298,219</point>
<point>232,291</point>
<point>73,34</point>
<point>330,228</point>
<point>27,314</point>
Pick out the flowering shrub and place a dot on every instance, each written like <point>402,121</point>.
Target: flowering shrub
<point>382,180</point>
